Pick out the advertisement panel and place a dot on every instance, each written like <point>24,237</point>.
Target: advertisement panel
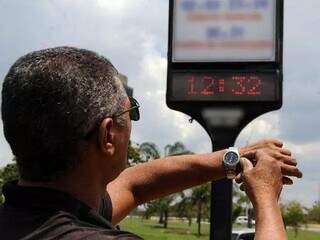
<point>224,31</point>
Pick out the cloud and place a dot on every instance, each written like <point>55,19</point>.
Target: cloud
<point>160,124</point>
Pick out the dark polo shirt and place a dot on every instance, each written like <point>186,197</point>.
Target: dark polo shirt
<point>33,213</point>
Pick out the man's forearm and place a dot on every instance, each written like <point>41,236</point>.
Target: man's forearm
<point>162,177</point>
<point>165,176</point>
<point>269,223</point>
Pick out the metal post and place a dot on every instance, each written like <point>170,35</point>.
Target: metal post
<point>221,195</point>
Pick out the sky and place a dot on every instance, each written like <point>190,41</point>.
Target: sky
<point>133,35</point>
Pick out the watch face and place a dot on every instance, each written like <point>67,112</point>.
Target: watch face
<point>231,158</point>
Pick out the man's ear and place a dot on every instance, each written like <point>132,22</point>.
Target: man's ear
<point>106,137</point>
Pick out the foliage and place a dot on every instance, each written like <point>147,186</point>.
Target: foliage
<point>194,203</point>
<point>201,198</point>
<point>8,173</point>
<point>314,213</point>
<point>134,157</point>
<point>185,207</point>
<point>241,205</point>
<point>149,151</point>
<point>177,148</point>
<point>162,206</point>
<point>236,212</point>
<point>293,215</point>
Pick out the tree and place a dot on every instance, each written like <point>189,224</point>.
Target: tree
<point>314,213</point>
<point>184,208</point>
<point>293,215</point>
<point>194,203</point>
<point>8,173</point>
<point>200,198</point>
<point>176,149</point>
<point>240,203</point>
<point>134,157</point>
<point>150,151</point>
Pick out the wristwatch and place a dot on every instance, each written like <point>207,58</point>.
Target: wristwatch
<point>231,159</point>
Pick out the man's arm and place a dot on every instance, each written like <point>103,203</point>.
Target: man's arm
<point>158,178</point>
<point>162,177</point>
<point>263,185</point>
<point>269,223</point>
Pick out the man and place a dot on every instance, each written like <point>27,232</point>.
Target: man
<point>68,119</point>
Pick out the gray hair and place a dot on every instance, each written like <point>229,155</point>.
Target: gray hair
<point>50,100</point>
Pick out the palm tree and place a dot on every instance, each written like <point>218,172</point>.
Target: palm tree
<point>178,148</point>
<point>200,197</point>
<point>150,151</point>
<point>134,157</point>
<point>184,208</point>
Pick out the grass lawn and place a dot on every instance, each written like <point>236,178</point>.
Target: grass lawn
<point>178,230</point>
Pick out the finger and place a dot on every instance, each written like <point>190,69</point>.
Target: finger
<point>292,171</point>
<point>238,178</point>
<point>276,142</point>
<point>285,159</point>
<point>289,160</point>
<point>287,181</point>
<point>246,164</point>
<point>285,151</point>
<point>250,155</point>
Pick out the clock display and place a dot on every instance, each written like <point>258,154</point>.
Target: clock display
<point>224,87</point>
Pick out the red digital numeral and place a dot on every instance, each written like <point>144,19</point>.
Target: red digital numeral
<point>247,85</point>
<point>254,83</point>
<point>209,84</point>
<point>191,86</point>
<point>241,87</point>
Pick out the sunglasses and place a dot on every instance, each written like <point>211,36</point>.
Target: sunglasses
<point>133,110</point>
<point>134,114</point>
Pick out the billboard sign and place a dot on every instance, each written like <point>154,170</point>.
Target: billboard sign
<point>224,31</point>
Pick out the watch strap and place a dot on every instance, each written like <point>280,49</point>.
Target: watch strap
<point>234,149</point>
<point>231,173</point>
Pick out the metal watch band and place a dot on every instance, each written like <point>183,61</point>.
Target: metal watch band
<point>234,149</point>
<point>231,174</point>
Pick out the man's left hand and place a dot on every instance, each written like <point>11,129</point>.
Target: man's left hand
<point>273,148</point>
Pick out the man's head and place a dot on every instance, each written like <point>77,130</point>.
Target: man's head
<point>51,100</point>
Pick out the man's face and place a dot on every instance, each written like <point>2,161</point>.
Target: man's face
<point>113,143</point>
<point>122,140</point>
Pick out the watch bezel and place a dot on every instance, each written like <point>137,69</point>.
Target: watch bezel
<point>229,151</point>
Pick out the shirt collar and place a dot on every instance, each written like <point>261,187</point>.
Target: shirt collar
<point>40,197</point>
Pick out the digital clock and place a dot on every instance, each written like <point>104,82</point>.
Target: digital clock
<point>225,68</point>
<point>223,87</point>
